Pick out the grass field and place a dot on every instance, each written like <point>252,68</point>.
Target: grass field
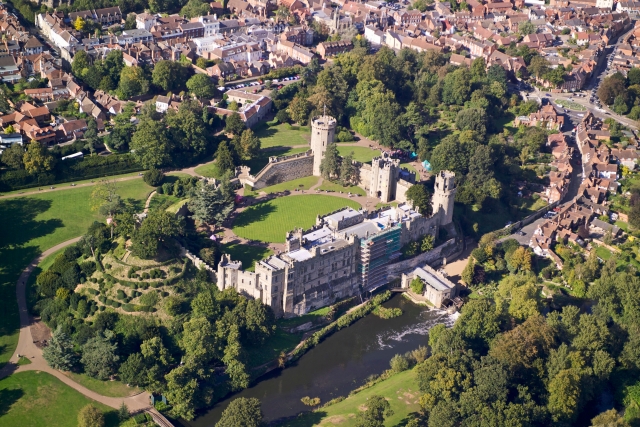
<point>401,391</point>
<point>248,254</point>
<point>35,223</point>
<point>37,399</point>
<point>271,349</point>
<point>281,135</point>
<point>332,186</point>
<point>165,200</point>
<point>210,170</point>
<point>68,184</point>
<point>603,252</point>
<point>269,221</point>
<point>105,388</point>
<point>360,154</point>
<point>300,184</point>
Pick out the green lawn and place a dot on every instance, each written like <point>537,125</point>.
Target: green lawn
<point>401,391</point>
<point>332,186</point>
<point>165,200</point>
<point>105,388</point>
<point>210,170</point>
<point>68,184</point>
<point>361,154</point>
<point>312,316</point>
<point>269,221</point>
<point>603,252</point>
<point>271,349</point>
<point>301,184</point>
<point>35,223</point>
<point>37,399</point>
<point>411,169</point>
<point>281,135</point>
<point>248,254</point>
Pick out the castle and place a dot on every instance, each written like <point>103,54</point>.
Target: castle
<point>347,252</point>
<point>383,179</point>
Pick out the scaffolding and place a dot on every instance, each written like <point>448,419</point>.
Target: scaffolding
<point>375,254</point>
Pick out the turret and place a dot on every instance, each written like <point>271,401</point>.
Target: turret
<point>323,129</point>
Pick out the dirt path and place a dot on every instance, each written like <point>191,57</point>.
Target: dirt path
<point>148,202</point>
<point>28,349</point>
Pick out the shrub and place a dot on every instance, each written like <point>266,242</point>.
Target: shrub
<point>153,177</point>
<point>121,294</point>
<point>88,268</point>
<point>107,266</point>
<point>417,286</point>
<point>129,308</point>
<point>167,188</point>
<point>387,313</point>
<point>92,291</point>
<point>146,276</point>
<point>399,363</point>
<point>150,298</point>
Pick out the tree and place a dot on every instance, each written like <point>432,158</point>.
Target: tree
<point>474,119</point>
<point>348,171</point>
<point>417,286</point>
<point>330,164</point>
<point>234,124</point>
<point>153,177</point>
<point>195,8</point>
<point>377,410</point>
<point>12,156</point>
<point>564,395</point>
<point>210,205</point>
<point>427,243</point>
<point>150,145</point>
<point>169,75</point>
<point>123,412</point>
<point>520,260</point>
<point>612,87</point>
<point>59,353</point>
<point>157,228</point>
<point>37,158</point>
<point>79,23</point>
<point>526,28</point>
<point>420,198</point>
<point>201,86</point>
<point>132,82</point>
<point>538,66</point>
<point>90,416</point>
<point>99,356</point>
<point>609,418</point>
<point>299,110</point>
<point>456,87</point>
<point>224,158</point>
<point>241,412</point>
<point>133,370</point>
<point>250,144</point>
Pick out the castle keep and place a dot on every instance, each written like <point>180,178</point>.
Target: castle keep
<point>346,253</point>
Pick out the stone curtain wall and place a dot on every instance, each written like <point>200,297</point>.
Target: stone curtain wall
<point>284,170</point>
<point>197,262</point>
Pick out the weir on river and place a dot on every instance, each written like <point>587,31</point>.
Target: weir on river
<point>339,364</point>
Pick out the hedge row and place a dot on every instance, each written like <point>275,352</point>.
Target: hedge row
<point>342,322</point>
<point>69,170</point>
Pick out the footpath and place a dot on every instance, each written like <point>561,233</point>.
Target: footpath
<point>27,348</point>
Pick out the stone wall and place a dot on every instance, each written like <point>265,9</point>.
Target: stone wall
<point>451,248</point>
<point>401,190</point>
<point>279,170</point>
<point>364,176</point>
<point>199,263</point>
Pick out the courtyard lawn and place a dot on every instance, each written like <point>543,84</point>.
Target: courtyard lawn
<point>401,391</point>
<point>411,168</point>
<point>300,184</point>
<point>269,221</point>
<point>282,135</point>
<point>210,170</point>
<point>360,154</point>
<point>332,186</point>
<point>35,223</point>
<point>603,253</point>
<point>248,254</point>
<point>105,388</point>
<point>37,399</point>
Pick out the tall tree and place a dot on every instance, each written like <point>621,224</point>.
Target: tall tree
<point>99,356</point>
<point>12,157</point>
<point>150,145</point>
<point>209,205</point>
<point>90,416</point>
<point>250,144</point>
<point>201,86</point>
<point>378,409</point>
<point>37,158</point>
<point>234,124</point>
<point>242,412</point>
<point>419,196</point>
<point>59,353</point>
<point>133,82</point>
<point>224,158</point>
<point>330,165</point>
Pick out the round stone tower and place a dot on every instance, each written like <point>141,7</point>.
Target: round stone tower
<point>323,130</point>
<point>443,196</point>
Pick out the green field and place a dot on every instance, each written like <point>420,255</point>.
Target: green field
<point>210,170</point>
<point>68,184</point>
<point>300,184</point>
<point>269,221</point>
<point>35,223</point>
<point>332,186</point>
<point>360,154</point>
<point>401,391</point>
<point>165,200</point>
<point>281,135</point>
<point>248,254</point>
<point>105,388</point>
<point>37,399</point>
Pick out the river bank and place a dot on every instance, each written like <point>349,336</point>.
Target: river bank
<point>339,364</point>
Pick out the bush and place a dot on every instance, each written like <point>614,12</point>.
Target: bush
<point>93,291</point>
<point>153,177</point>
<point>129,308</point>
<point>399,363</point>
<point>167,188</point>
<point>345,136</point>
<point>417,286</point>
<point>387,313</point>
<point>146,276</point>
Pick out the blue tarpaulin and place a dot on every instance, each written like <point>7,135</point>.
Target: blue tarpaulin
<point>426,165</point>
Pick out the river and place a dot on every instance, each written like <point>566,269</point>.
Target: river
<point>339,364</point>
